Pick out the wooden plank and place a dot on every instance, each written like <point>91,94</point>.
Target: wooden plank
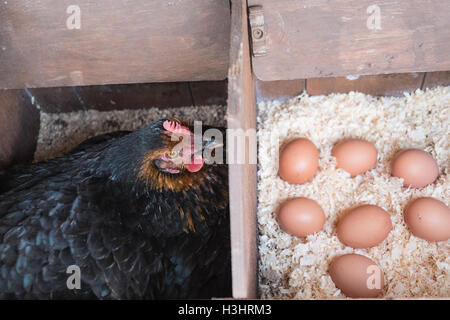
<point>19,127</point>
<point>206,93</point>
<point>283,89</point>
<point>379,85</point>
<point>113,97</point>
<point>130,96</point>
<point>433,79</point>
<point>242,177</point>
<point>308,39</point>
<point>119,41</point>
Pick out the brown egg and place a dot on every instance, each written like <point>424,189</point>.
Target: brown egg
<point>429,219</point>
<point>355,156</point>
<point>300,217</point>
<point>416,167</point>
<point>357,276</point>
<point>364,226</point>
<point>299,161</point>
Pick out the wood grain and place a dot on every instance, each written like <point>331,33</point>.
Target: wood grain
<point>119,41</point>
<point>207,93</point>
<point>308,39</point>
<point>433,79</point>
<point>242,177</point>
<point>19,128</point>
<point>130,96</point>
<point>378,85</point>
<point>283,89</point>
<point>113,97</point>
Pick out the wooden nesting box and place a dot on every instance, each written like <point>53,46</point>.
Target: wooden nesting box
<point>281,48</point>
<point>275,49</point>
<point>55,55</point>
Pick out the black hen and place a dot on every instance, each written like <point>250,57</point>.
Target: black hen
<point>138,223</point>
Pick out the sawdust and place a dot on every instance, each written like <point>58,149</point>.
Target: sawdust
<point>60,132</point>
<point>292,268</point>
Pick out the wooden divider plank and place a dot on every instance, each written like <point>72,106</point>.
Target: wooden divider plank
<point>242,177</point>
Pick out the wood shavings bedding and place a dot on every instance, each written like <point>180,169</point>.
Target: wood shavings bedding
<point>60,132</point>
<point>292,268</point>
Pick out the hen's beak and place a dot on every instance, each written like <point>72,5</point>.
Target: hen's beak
<point>212,144</point>
<point>208,144</point>
<point>197,156</point>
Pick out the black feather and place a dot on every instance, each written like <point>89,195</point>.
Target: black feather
<point>88,209</point>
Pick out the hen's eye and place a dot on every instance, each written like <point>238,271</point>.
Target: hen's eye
<point>172,154</point>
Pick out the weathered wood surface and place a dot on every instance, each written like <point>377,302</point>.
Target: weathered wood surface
<point>282,89</point>
<point>433,79</point>
<point>130,96</point>
<point>19,127</point>
<point>242,177</point>
<point>206,93</point>
<point>118,41</point>
<point>379,85</point>
<point>308,39</point>
<point>376,85</point>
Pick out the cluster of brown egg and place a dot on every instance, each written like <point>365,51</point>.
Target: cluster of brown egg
<point>367,225</point>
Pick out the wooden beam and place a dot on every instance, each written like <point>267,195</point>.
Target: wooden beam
<point>118,41</point>
<point>19,127</point>
<point>380,85</point>
<point>206,93</point>
<point>242,177</point>
<point>283,89</point>
<point>433,79</point>
<point>130,96</point>
<point>113,97</point>
<point>321,38</point>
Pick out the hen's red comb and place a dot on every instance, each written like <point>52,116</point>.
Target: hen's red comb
<point>175,127</point>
